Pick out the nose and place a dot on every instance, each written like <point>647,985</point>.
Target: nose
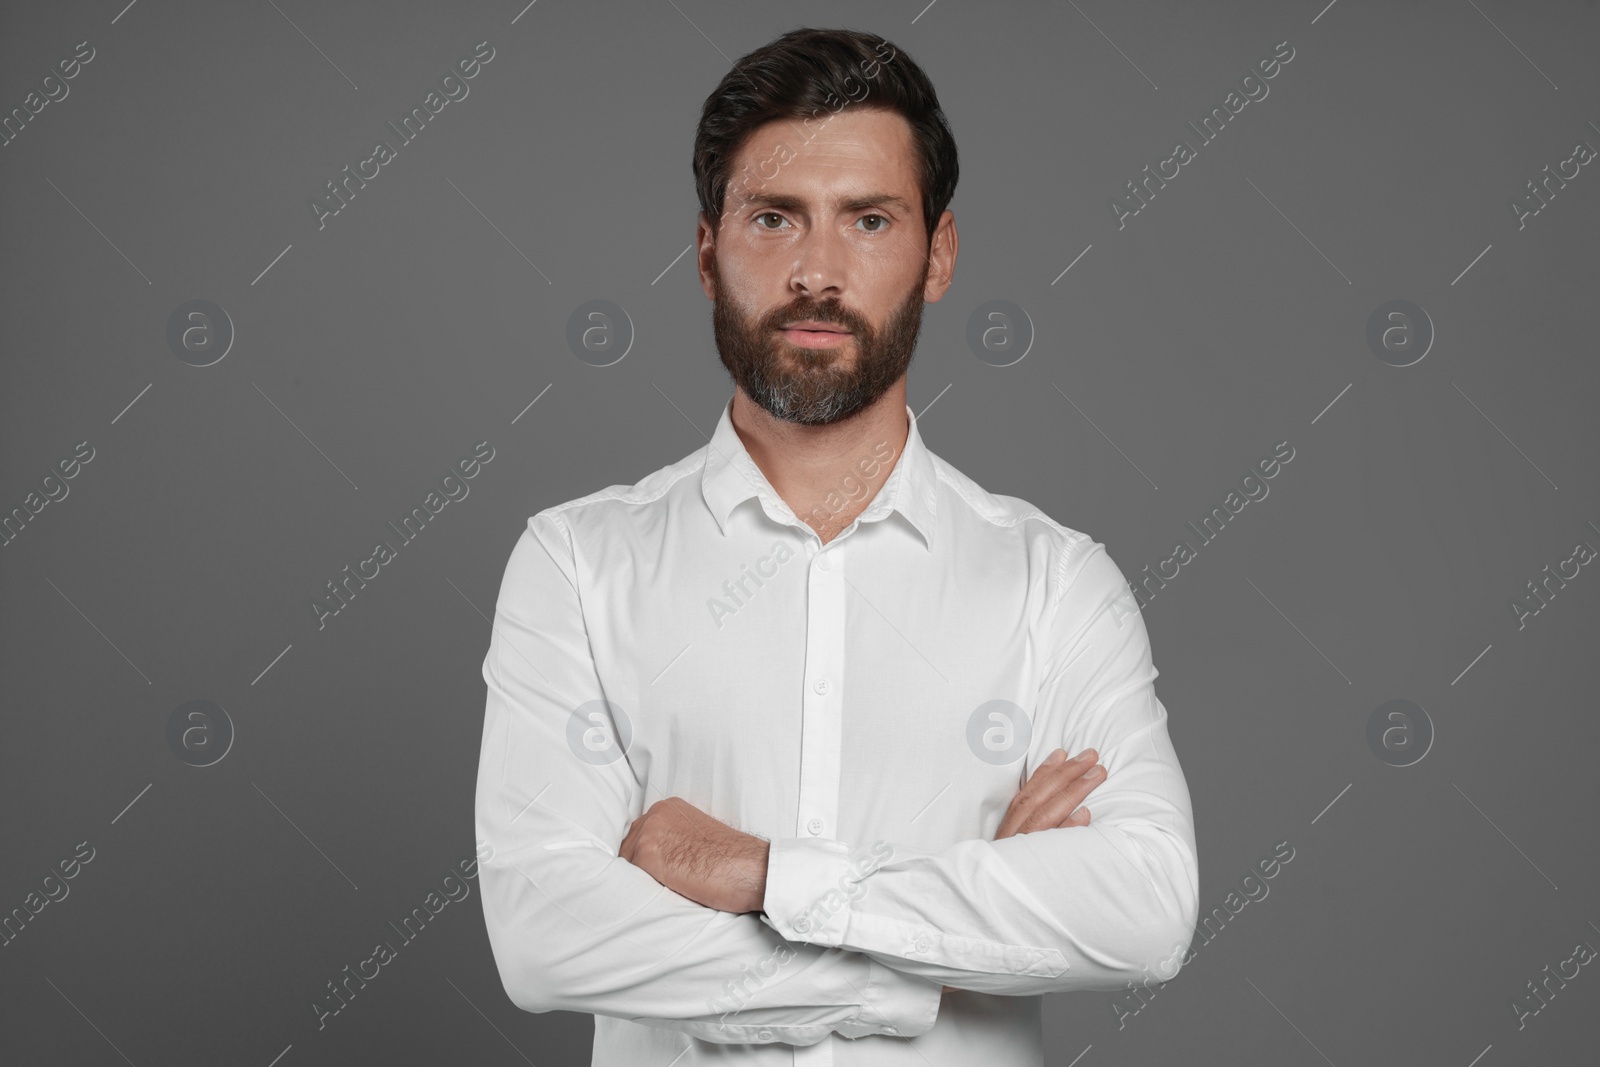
<point>819,265</point>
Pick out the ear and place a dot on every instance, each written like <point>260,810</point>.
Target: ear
<point>705,239</point>
<point>941,258</point>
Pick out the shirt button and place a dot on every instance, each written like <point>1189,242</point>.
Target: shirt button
<point>824,562</point>
<point>815,826</point>
<point>765,1035</point>
<point>821,685</point>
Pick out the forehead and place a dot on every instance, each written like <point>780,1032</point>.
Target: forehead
<point>829,156</point>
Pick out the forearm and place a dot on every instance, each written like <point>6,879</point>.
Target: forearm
<point>1050,911</point>
<point>608,940</point>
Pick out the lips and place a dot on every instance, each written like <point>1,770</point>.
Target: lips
<point>816,327</point>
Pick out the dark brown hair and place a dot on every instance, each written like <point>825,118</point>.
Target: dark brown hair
<point>812,74</point>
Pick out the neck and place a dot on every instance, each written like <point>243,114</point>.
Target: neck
<point>826,474</point>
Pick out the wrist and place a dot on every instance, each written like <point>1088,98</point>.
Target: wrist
<point>755,875</point>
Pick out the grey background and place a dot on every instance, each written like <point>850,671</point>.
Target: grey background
<point>1227,316</point>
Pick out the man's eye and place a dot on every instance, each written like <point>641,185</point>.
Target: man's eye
<point>768,215</point>
<point>874,229</point>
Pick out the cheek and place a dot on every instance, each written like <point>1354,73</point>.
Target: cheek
<point>750,278</point>
<point>879,284</point>
<point>889,292</point>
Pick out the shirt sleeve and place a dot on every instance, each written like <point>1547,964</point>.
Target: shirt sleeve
<point>1061,909</point>
<point>575,927</point>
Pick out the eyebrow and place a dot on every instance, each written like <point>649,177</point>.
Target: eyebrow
<point>858,203</point>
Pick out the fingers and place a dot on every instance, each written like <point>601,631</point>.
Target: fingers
<point>1061,788</point>
<point>630,841</point>
<point>1053,793</point>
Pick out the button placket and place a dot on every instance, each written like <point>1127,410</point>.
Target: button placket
<point>820,731</point>
<point>821,726</point>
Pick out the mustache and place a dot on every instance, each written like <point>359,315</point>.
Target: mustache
<point>835,313</point>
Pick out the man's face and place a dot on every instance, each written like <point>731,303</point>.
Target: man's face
<point>819,268</point>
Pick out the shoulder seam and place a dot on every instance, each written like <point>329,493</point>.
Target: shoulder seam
<point>1034,512</point>
<point>620,493</point>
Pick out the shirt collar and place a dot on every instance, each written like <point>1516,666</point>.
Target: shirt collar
<point>729,477</point>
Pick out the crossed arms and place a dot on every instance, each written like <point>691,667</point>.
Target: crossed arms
<point>600,898</point>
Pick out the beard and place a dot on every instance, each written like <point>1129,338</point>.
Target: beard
<point>815,386</point>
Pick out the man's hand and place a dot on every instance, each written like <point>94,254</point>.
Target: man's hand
<point>698,857</point>
<point>1052,794</point>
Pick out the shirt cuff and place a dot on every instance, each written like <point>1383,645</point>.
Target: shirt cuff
<point>810,884</point>
<point>899,1004</point>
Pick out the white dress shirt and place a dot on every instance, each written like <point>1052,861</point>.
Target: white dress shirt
<point>869,706</point>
